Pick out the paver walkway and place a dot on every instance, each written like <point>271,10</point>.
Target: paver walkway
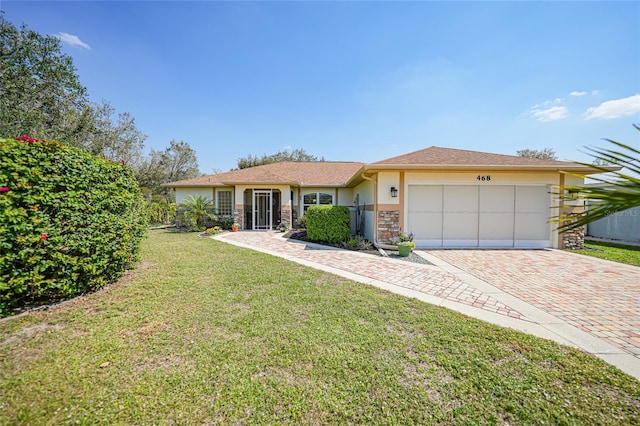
<point>577,300</point>
<point>427,279</point>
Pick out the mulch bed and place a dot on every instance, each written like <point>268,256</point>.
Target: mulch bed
<point>374,252</point>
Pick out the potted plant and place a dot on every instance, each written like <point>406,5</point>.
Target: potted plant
<point>404,242</point>
<point>235,226</point>
<point>405,248</point>
<point>283,227</point>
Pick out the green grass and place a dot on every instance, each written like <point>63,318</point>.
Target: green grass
<point>609,251</point>
<point>207,333</point>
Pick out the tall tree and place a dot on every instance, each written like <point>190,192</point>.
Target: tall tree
<point>542,154</point>
<point>40,93</point>
<point>286,155</point>
<point>177,162</point>
<point>619,190</point>
<point>113,136</point>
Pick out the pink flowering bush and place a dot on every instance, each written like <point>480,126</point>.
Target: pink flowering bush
<point>69,222</point>
<point>28,139</point>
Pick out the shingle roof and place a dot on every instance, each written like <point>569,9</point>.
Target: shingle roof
<point>334,173</point>
<point>316,173</point>
<point>459,157</point>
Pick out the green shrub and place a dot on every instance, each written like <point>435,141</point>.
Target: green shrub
<point>160,211</point>
<point>328,223</point>
<point>69,222</point>
<point>196,213</point>
<point>302,222</point>
<point>357,242</point>
<point>225,222</point>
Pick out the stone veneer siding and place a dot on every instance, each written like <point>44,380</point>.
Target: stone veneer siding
<point>574,239</point>
<point>238,216</point>
<point>285,215</point>
<point>388,225</point>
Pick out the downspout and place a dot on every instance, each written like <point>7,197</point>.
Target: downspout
<point>376,243</point>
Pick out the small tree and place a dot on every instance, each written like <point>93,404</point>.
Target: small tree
<point>197,210</point>
<point>160,210</point>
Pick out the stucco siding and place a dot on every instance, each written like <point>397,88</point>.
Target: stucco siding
<point>183,193</point>
<point>387,180</point>
<point>494,178</point>
<point>364,192</point>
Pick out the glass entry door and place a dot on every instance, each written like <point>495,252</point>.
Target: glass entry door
<point>262,217</point>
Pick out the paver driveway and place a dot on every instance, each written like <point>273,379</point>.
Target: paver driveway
<point>583,301</point>
<point>597,296</point>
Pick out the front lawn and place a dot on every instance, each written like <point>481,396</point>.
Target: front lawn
<point>610,251</point>
<point>207,333</point>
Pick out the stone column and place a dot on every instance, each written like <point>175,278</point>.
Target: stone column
<point>388,225</point>
<point>238,216</point>
<point>573,239</point>
<point>285,214</point>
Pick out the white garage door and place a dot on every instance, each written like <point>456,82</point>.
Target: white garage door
<point>479,216</point>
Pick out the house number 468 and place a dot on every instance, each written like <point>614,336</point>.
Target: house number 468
<point>484,178</point>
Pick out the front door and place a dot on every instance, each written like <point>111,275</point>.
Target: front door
<point>262,217</point>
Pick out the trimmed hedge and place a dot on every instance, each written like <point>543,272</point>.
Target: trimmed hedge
<point>328,223</point>
<point>69,222</point>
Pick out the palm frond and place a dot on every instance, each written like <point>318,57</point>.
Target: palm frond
<point>620,188</point>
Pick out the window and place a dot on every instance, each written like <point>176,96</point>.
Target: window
<point>316,199</point>
<point>225,203</point>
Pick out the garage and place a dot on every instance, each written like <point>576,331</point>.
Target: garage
<point>479,215</point>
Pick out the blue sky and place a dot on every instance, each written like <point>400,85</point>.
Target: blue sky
<point>357,81</point>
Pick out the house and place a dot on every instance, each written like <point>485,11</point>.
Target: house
<point>446,197</point>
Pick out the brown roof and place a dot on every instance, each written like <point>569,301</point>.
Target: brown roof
<point>316,173</point>
<point>437,157</point>
<point>446,156</point>
<point>334,173</point>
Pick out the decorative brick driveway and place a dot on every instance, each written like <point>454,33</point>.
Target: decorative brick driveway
<point>597,296</point>
<point>578,300</point>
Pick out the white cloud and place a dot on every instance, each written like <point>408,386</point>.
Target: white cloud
<point>549,114</point>
<point>72,40</point>
<point>546,104</point>
<point>615,108</point>
<point>576,93</point>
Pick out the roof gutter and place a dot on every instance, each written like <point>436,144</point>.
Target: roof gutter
<point>570,168</point>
